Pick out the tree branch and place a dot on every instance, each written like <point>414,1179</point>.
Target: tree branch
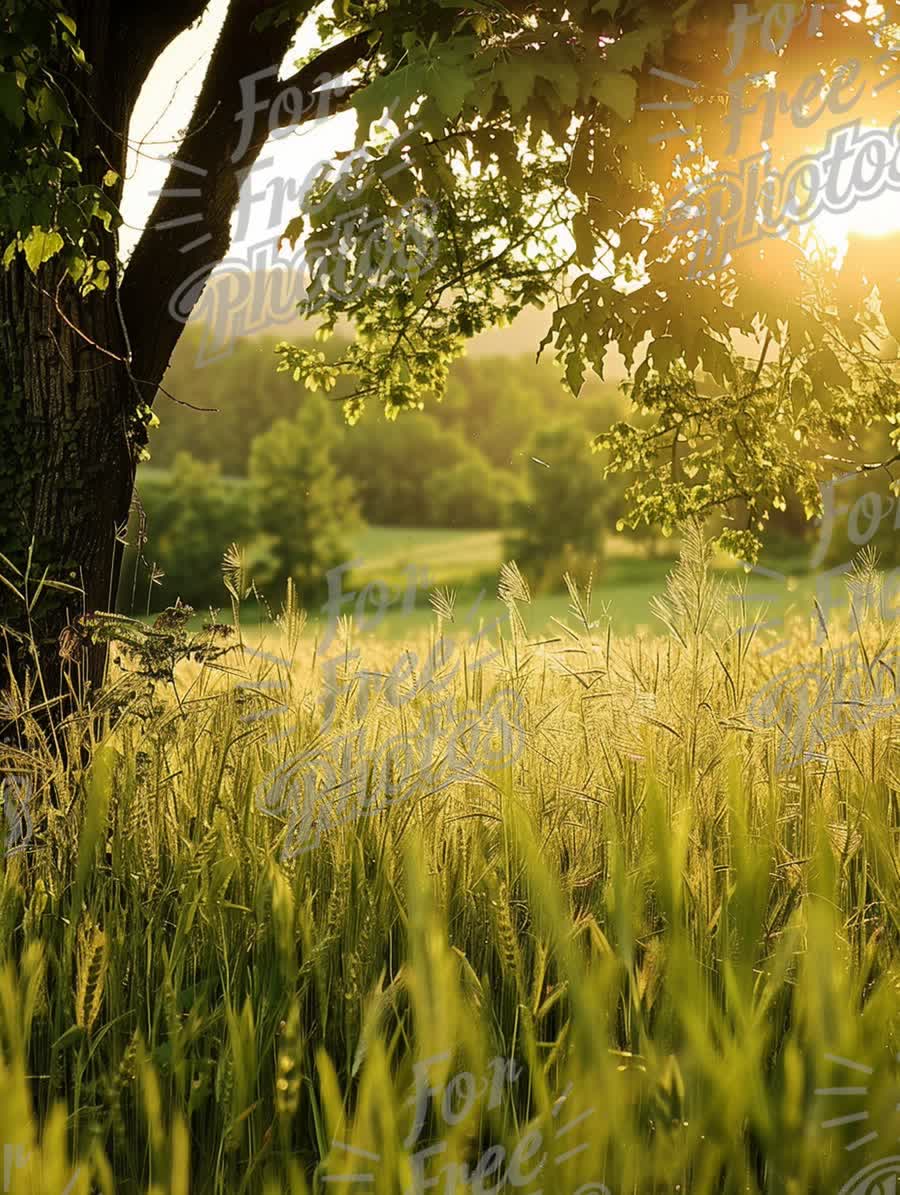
<point>189,230</point>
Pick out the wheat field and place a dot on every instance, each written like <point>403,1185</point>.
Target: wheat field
<point>637,954</point>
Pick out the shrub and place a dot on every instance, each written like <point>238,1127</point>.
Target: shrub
<point>559,526</point>
<point>307,511</point>
<point>392,463</point>
<point>192,514</point>
<point>470,494</point>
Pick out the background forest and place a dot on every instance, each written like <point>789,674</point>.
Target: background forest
<point>280,471</point>
<point>502,468</point>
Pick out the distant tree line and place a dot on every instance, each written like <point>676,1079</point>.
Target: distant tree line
<point>460,464</point>
<point>281,472</point>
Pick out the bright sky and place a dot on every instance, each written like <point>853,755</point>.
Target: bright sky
<point>165,106</point>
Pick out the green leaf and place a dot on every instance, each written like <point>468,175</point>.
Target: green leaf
<point>617,92</point>
<point>484,100</point>
<point>629,51</point>
<point>402,186</point>
<point>75,50</point>
<point>664,352</point>
<point>17,207</point>
<point>396,92</point>
<point>631,237</point>
<point>716,360</point>
<point>40,246</point>
<point>12,101</point>
<point>73,1034</point>
<point>564,79</point>
<point>575,373</point>
<point>49,110</point>
<point>67,21</point>
<point>110,178</point>
<point>517,81</point>
<point>450,85</point>
<point>293,231</point>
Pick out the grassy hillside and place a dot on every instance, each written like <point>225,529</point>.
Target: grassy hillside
<point>469,563</point>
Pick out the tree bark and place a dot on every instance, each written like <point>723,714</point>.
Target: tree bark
<point>68,471</point>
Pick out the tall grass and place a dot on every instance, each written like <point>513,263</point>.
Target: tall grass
<point>676,942</point>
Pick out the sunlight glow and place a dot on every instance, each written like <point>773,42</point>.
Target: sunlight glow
<point>875,217</point>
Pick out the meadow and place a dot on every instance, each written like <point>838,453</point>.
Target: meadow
<point>637,955</point>
<point>469,562</point>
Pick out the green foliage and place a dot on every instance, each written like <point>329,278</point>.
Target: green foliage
<point>862,515</point>
<point>46,206</point>
<point>405,340</point>
<point>300,501</point>
<point>498,402</point>
<point>482,425</point>
<point>868,520</point>
<point>540,168</point>
<point>538,132</point>
<point>470,494</point>
<point>156,651</point>
<point>192,515</point>
<point>560,525</point>
<point>393,463</point>
<point>291,518</point>
<point>749,446</point>
<point>239,395</point>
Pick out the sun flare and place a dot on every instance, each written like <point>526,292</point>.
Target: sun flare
<point>877,217</point>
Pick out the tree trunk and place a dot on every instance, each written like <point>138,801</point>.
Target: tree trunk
<point>68,455</point>
<point>68,426</point>
<point>78,375</point>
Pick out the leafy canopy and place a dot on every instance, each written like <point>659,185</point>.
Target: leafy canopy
<point>542,152</point>
<point>534,136</point>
